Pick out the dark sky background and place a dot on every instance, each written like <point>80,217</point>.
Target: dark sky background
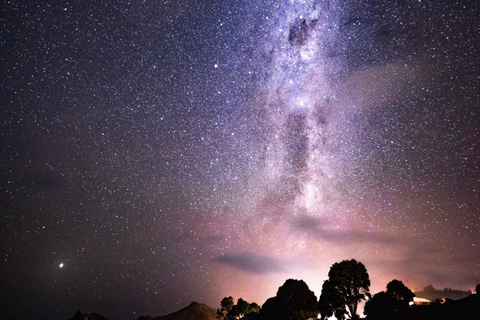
<point>155,153</point>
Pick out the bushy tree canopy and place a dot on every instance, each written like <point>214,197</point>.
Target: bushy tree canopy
<point>348,283</point>
<point>397,297</point>
<point>242,309</point>
<point>330,303</point>
<point>227,305</point>
<point>380,303</point>
<point>294,301</point>
<point>399,293</point>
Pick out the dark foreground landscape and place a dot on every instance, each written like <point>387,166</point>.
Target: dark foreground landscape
<point>466,308</point>
<point>347,285</point>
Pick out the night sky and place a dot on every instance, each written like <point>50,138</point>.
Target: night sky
<point>155,153</point>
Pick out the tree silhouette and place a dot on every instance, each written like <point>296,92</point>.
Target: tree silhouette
<point>246,308</point>
<point>242,309</point>
<point>380,303</point>
<point>397,297</point>
<point>399,293</point>
<point>294,301</point>
<point>227,305</point>
<point>348,284</point>
<point>331,303</point>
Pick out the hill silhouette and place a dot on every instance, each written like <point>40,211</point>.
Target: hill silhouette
<point>430,293</point>
<point>195,311</point>
<point>87,316</point>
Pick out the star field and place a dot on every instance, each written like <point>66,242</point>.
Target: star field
<point>155,153</point>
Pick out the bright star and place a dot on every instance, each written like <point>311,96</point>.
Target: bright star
<point>61,265</point>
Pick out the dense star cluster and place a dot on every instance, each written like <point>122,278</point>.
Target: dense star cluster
<point>155,153</point>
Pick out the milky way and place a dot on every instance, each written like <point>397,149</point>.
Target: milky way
<point>155,153</point>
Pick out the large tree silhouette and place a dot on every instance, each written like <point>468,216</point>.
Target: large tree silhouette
<point>331,303</point>
<point>399,293</point>
<point>294,301</point>
<point>397,297</point>
<point>348,283</point>
<point>380,303</point>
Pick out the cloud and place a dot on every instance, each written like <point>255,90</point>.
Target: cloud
<point>306,224</point>
<point>384,84</point>
<point>251,262</point>
<point>317,229</point>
